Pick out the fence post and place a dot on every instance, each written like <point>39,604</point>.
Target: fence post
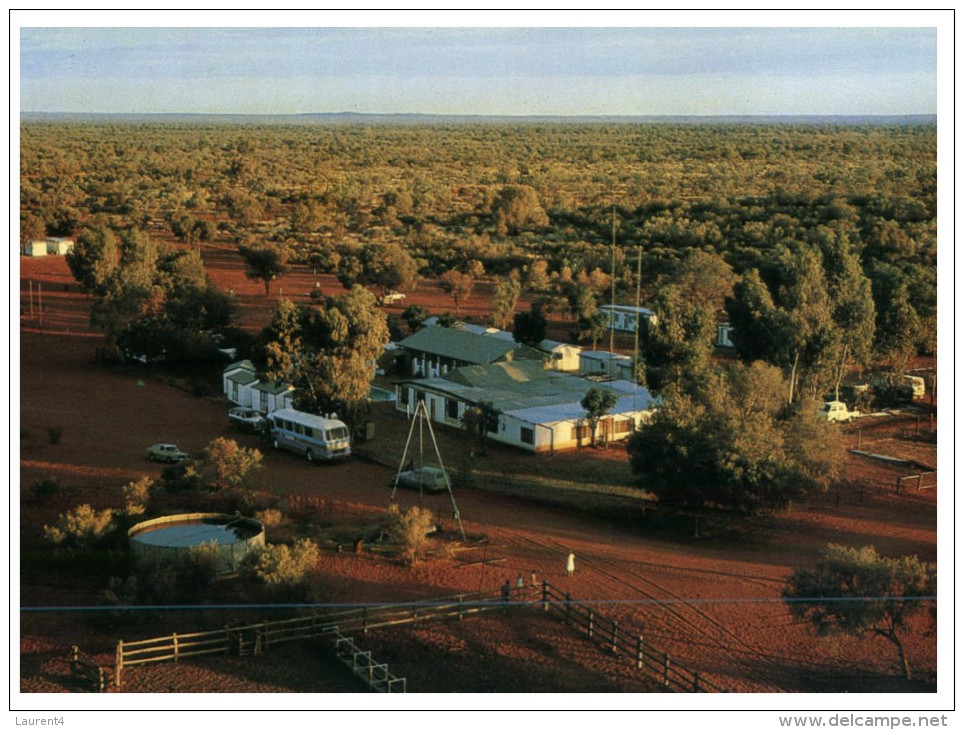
<point>364,619</point>
<point>919,477</point>
<point>545,596</point>
<point>665,669</point>
<point>639,652</point>
<point>696,681</point>
<point>589,625</point>
<point>74,656</point>
<point>615,632</point>
<point>414,615</point>
<point>174,636</point>
<point>460,606</point>
<point>118,662</point>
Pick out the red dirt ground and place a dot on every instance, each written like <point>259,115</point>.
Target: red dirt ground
<point>712,602</point>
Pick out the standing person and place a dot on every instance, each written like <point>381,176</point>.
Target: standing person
<point>571,564</point>
<point>506,591</point>
<point>519,583</point>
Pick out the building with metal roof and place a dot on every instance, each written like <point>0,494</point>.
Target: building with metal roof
<point>434,351</point>
<point>539,409</point>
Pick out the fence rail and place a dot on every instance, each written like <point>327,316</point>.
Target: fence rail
<point>617,640</point>
<point>84,667</point>
<point>253,639</point>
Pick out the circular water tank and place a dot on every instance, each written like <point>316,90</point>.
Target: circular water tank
<point>171,539</point>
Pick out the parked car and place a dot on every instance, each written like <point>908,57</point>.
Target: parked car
<point>836,411</point>
<point>166,452</point>
<point>425,478</point>
<point>247,419</point>
<point>393,297</point>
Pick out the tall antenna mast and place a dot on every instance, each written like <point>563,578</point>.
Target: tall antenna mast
<point>639,317</point>
<point>612,298</point>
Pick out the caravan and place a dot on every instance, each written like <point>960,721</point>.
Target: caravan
<point>319,439</point>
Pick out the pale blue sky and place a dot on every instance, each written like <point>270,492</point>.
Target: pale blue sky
<point>506,71</point>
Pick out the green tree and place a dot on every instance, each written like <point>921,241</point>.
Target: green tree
<point>529,327</point>
<point>517,207</point>
<point>264,264</point>
<point>414,315</point>
<point>328,353</point>
<point>678,343</point>
<point>224,464</point>
<point>860,592</point>
<point>597,402</point>
<point>734,445</point>
<point>591,329</point>
<point>93,258</point>
<point>481,420</point>
<point>852,306</point>
<point>504,299</point>
<point>458,286</point>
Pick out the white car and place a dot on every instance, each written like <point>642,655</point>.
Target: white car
<point>835,411</point>
<point>166,452</point>
<point>393,297</point>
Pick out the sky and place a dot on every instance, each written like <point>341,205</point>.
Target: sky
<point>613,69</point>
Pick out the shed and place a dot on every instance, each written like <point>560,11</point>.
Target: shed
<point>271,397</point>
<point>238,379</point>
<point>35,248</point>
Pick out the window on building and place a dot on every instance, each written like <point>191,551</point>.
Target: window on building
<point>623,426</point>
<point>580,433</point>
<point>403,393</point>
<point>264,402</point>
<point>234,390</point>
<point>452,408</point>
<point>527,435</point>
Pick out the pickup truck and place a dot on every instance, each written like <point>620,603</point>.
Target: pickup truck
<point>835,411</point>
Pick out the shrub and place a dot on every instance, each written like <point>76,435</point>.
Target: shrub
<point>269,517</point>
<point>410,529</point>
<point>281,566</point>
<point>54,434</point>
<point>46,487</point>
<point>81,527</point>
<point>226,464</point>
<point>136,495</point>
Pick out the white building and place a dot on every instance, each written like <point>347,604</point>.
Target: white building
<point>238,380</point>
<point>625,318</point>
<point>605,364</point>
<point>539,409</point>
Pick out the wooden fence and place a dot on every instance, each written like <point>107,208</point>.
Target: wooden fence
<point>87,670</point>
<point>924,480</point>
<point>619,641</point>
<point>254,639</point>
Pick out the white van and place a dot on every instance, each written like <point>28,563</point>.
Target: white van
<point>317,438</point>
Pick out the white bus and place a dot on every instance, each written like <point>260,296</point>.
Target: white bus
<point>319,439</point>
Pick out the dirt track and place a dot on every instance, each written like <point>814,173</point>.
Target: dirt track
<point>712,602</point>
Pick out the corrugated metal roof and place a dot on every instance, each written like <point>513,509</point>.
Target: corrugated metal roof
<point>273,388</point>
<point>242,377</point>
<point>528,392</point>
<point>458,345</point>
